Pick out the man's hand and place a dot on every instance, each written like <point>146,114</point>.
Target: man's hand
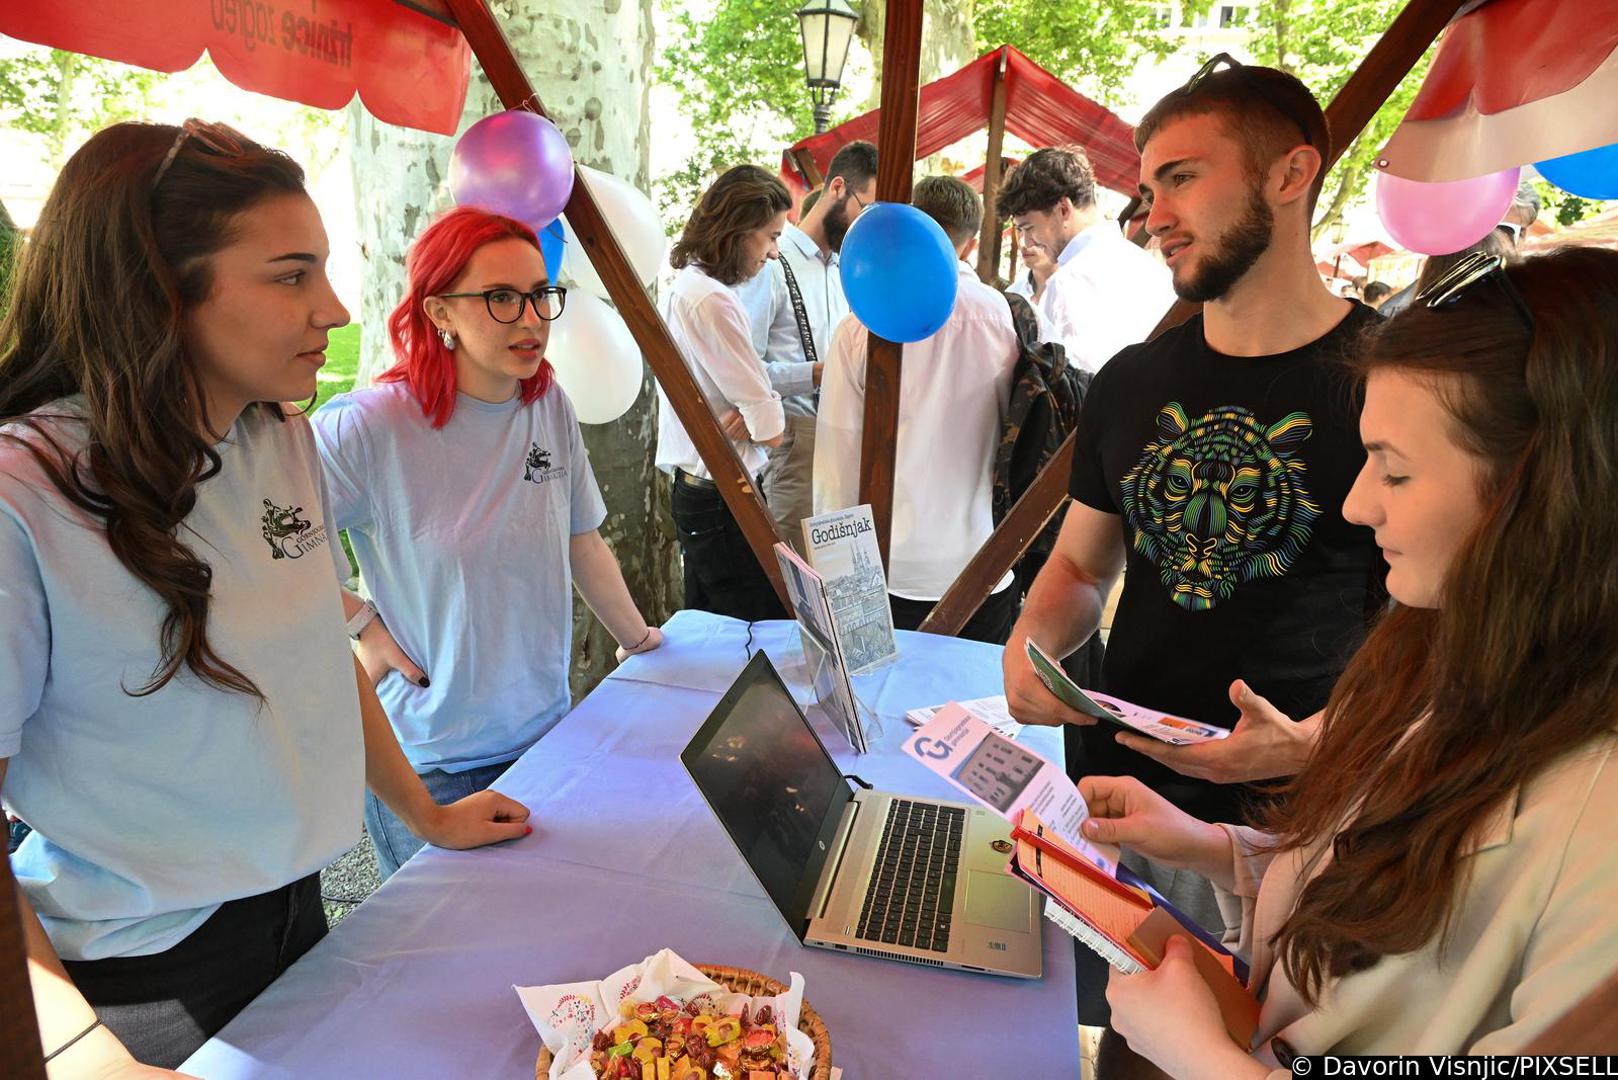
<point>1027,696</point>
<point>484,817</point>
<point>1264,744</point>
<point>379,654</point>
<point>734,427</point>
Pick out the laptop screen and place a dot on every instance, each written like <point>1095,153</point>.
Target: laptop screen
<point>772,785</point>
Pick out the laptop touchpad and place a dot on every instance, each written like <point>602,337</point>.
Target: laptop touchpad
<point>997,900</point>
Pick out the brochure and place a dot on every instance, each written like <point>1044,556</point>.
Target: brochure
<point>828,672</point>
<point>1176,730</point>
<point>992,709</point>
<point>841,547</point>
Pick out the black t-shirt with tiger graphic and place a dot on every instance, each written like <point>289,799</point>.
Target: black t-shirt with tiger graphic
<point>1228,474</point>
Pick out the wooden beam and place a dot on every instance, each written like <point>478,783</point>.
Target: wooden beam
<point>809,168</point>
<point>895,173</point>
<point>1376,77</point>
<point>989,238</point>
<point>20,1053</point>
<point>494,52</point>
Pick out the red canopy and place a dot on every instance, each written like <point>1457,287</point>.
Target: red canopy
<point>408,68</point>
<point>1513,82</point>
<point>1040,110</point>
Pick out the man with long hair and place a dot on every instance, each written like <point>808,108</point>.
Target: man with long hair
<point>1212,460</point>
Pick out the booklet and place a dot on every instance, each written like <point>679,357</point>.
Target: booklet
<point>1006,777</point>
<point>1176,730</point>
<point>834,692</point>
<point>841,546</point>
<point>1124,921</point>
<point>993,709</point>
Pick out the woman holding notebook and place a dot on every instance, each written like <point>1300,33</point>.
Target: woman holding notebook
<point>1438,878</point>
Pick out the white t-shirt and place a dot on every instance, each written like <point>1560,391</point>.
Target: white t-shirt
<point>710,328</point>
<point>149,812</point>
<point>1105,294</point>
<point>462,538</point>
<point>953,394</point>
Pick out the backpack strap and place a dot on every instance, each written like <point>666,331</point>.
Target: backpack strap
<point>799,312</point>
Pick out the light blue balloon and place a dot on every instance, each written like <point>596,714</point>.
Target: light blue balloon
<point>551,245</point>
<point>899,272</point>
<point>1592,174</point>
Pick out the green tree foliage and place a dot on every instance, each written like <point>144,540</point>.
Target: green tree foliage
<point>1092,45</point>
<point>1322,42</point>
<point>59,94</point>
<point>1567,208</point>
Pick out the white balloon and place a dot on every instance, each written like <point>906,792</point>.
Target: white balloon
<point>632,217</point>
<point>596,359</point>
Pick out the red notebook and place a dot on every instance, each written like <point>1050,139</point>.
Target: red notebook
<point>1123,922</point>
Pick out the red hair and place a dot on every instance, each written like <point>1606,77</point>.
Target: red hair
<point>436,259</point>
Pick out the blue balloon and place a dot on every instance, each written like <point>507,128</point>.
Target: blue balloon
<point>1592,174</point>
<point>899,272</point>
<point>551,246</point>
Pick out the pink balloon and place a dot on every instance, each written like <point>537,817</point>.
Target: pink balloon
<point>1437,219</point>
<point>514,163</point>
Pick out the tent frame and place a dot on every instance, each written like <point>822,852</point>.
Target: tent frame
<point>1417,26</point>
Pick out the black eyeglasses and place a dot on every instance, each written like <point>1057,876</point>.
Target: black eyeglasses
<point>852,194</point>
<point>505,305</point>
<point>1247,75</point>
<point>1466,275</point>
<point>215,138</point>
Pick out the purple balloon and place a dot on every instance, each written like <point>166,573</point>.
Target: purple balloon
<point>1440,218</point>
<point>514,163</point>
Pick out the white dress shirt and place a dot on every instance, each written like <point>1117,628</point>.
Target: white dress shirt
<point>775,325</point>
<point>710,328</point>
<point>775,331</point>
<point>1106,293</point>
<point>953,395</point>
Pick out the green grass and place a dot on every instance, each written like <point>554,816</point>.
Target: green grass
<point>342,362</point>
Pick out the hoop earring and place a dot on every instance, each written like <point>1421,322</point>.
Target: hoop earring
<point>448,339</point>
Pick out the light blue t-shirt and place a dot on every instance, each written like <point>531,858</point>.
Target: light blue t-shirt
<point>149,812</point>
<point>462,538</point>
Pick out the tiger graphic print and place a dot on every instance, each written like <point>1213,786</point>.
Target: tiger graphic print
<point>1220,500</point>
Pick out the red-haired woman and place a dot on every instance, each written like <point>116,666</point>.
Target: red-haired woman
<point>1440,877</point>
<point>730,237</point>
<point>469,501</point>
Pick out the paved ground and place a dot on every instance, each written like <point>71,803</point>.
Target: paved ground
<point>349,880</point>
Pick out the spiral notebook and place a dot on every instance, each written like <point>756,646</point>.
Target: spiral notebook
<point>1124,920</point>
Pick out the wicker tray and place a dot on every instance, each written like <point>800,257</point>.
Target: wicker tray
<point>743,981</point>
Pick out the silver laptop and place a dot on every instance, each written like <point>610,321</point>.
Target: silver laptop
<point>859,871</point>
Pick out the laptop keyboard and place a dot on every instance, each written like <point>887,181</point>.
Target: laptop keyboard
<point>912,889</point>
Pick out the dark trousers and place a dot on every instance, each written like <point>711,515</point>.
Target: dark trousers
<point>164,1006</point>
<point>992,622</point>
<point>721,574</point>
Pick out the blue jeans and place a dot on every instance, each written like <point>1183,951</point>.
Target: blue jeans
<point>393,840</point>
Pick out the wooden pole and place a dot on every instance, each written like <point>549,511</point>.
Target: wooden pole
<point>1388,62</point>
<point>989,238</point>
<point>21,1056</point>
<point>493,51</point>
<point>809,168</point>
<point>895,173</point>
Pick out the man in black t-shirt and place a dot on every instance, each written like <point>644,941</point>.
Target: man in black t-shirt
<point>1214,461</point>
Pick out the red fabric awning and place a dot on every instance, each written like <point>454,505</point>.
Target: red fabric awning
<point>1513,82</point>
<point>1040,109</point>
<point>408,68</point>
<point>975,177</point>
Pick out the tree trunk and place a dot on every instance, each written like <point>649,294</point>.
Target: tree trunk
<point>948,41</point>
<point>590,62</point>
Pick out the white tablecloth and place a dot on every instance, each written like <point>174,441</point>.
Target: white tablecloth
<point>626,858</point>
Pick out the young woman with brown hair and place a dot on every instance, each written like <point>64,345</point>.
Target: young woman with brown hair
<point>730,237</point>
<point>181,722</point>
<point>1439,877</point>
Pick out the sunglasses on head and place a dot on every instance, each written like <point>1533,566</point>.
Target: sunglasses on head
<point>1248,76</point>
<point>215,138</point>
<point>1476,269</point>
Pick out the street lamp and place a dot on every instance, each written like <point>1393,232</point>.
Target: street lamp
<point>826,27</point>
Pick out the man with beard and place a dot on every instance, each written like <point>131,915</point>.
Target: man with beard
<point>794,307</point>
<point>1105,292</point>
<point>1214,461</point>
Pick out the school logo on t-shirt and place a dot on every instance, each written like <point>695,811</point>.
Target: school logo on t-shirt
<point>1219,501</point>
<point>538,467</point>
<point>290,535</point>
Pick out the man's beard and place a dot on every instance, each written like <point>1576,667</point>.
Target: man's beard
<point>837,222</point>
<point>1238,249</point>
